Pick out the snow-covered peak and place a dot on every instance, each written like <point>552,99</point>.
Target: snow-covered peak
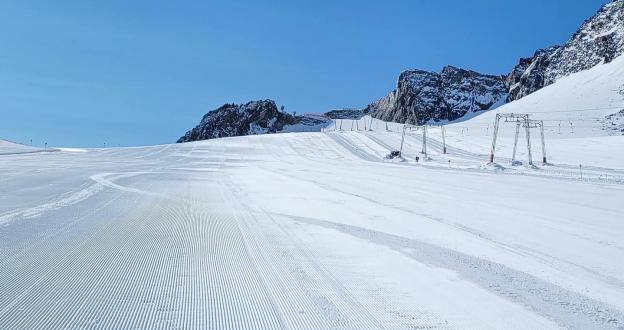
<point>599,40</point>
<point>454,93</point>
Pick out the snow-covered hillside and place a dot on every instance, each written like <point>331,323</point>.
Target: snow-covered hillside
<point>322,230</point>
<point>584,98</point>
<point>422,96</point>
<point>582,114</point>
<point>8,148</point>
<point>318,230</point>
<point>600,39</point>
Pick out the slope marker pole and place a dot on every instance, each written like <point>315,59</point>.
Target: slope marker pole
<point>402,139</point>
<point>443,139</point>
<point>424,146</point>
<point>543,143</point>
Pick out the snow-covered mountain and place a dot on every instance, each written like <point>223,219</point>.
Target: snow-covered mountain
<point>600,39</point>
<point>583,116</point>
<point>455,93</point>
<point>450,95</point>
<point>255,117</point>
<point>423,96</point>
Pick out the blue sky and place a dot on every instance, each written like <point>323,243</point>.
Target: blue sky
<point>85,72</point>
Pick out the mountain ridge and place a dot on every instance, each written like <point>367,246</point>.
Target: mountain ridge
<point>449,95</point>
<point>599,39</point>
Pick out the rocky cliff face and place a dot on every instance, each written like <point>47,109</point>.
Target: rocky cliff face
<point>256,117</point>
<point>600,39</point>
<point>422,96</point>
<point>529,75</point>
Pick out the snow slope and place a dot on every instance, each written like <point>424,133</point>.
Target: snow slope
<point>7,148</point>
<point>583,116</point>
<point>319,230</point>
<point>304,230</point>
<point>583,99</point>
<point>574,111</point>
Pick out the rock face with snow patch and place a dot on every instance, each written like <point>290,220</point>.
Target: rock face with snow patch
<point>600,39</point>
<point>344,114</point>
<point>613,124</point>
<point>255,117</point>
<point>422,96</point>
<point>529,75</point>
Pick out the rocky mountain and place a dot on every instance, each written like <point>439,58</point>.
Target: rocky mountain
<point>255,117</point>
<point>423,96</point>
<point>452,94</point>
<point>529,75</point>
<point>600,39</point>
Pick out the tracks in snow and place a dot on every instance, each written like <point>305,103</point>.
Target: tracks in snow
<point>147,263</point>
<point>135,260</point>
<point>161,245</point>
<point>569,309</point>
<point>308,296</point>
<point>375,149</point>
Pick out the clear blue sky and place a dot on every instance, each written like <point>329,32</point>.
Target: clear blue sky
<point>137,72</point>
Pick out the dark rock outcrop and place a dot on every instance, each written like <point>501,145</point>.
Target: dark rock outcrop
<point>344,114</point>
<point>529,75</point>
<point>423,96</point>
<point>255,117</point>
<point>600,39</point>
<point>613,124</point>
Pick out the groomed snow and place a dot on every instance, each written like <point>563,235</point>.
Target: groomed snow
<point>303,230</point>
<point>319,230</point>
